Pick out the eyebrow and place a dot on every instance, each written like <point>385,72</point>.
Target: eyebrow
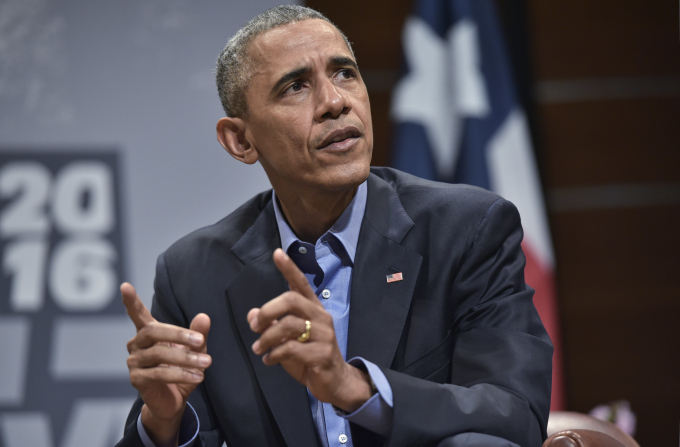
<point>290,76</point>
<point>337,61</point>
<point>343,61</point>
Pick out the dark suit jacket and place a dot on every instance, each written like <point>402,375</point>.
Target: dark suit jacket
<point>458,339</point>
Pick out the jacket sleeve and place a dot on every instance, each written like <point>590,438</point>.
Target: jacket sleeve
<point>166,310</point>
<point>500,369</point>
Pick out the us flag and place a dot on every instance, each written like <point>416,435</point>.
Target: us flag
<point>394,277</point>
<point>457,119</point>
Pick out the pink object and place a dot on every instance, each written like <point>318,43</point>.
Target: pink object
<point>394,277</point>
<point>618,413</point>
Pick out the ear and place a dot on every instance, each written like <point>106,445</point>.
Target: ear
<point>231,133</point>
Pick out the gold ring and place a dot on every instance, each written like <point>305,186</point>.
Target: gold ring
<point>305,335</point>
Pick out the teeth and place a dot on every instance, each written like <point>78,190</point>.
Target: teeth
<point>340,137</point>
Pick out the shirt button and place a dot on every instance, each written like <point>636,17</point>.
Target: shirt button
<point>302,250</point>
<point>342,438</point>
<point>326,294</point>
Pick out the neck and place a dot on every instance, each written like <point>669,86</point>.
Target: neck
<point>311,215</point>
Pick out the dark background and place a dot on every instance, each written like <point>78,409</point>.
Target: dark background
<point>601,85</point>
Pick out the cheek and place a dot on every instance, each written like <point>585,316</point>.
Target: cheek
<point>293,132</point>
<point>293,129</point>
<point>368,124</point>
<point>295,118</point>
<point>285,142</point>
<point>363,108</point>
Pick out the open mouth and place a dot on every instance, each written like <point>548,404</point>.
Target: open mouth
<point>340,139</point>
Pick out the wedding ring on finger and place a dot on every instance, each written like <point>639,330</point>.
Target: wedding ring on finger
<point>305,335</point>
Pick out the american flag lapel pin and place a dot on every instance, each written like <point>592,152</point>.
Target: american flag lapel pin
<point>394,277</point>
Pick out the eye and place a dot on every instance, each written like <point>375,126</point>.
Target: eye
<point>294,87</point>
<point>347,73</point>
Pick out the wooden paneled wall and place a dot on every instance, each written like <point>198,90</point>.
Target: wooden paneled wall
<point>607,90</point>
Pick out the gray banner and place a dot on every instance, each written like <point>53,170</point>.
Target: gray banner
<point>78,78</point>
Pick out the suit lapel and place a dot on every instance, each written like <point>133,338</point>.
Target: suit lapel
<point>258,282</point>
<point>378,309</point>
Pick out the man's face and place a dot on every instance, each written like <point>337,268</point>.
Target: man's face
<point>309,117</point>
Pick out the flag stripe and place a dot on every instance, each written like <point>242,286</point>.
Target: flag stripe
<point>464,101</point>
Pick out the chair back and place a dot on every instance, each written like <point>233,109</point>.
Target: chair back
<point>570,429</point>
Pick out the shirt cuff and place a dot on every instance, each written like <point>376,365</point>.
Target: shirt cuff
<point>188,426</point>
<point>376,413</point>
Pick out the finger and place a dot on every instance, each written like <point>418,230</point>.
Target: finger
<point>252,318</point>
<point>296,279</point>
<point>159,354</point>
<point>156,332</point>
<point>288,328</point>
<point>201,324</point>
<point>252,314</point>
<point>137,311</point>
<point>139,377</point>
<point>287,303</point>
<point>301,353</point>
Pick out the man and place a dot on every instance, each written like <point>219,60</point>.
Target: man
<point>419,285</point>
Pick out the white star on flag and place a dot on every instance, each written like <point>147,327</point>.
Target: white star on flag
<point>444,86</point>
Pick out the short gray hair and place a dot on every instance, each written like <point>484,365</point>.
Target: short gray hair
<point>234,67</point>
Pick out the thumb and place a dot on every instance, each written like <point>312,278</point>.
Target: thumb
<point>201,323</point>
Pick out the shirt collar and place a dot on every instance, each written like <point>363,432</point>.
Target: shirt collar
<point>345,229</point>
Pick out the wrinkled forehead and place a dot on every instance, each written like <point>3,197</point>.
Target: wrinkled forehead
<point>293,45</point>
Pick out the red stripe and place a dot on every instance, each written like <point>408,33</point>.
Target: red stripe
<point>541,279</point>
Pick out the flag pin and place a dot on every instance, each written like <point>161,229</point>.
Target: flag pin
<point>394,277</point>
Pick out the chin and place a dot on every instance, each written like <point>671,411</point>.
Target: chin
<point>343,178</point>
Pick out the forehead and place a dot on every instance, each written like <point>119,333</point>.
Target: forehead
<point>295,45</point>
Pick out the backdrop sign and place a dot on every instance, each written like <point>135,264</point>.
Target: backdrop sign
<point>63,329</point>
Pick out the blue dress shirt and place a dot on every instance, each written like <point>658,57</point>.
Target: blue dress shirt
<point>328,267</point>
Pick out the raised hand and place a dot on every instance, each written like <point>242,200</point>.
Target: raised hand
<point>316,363</point>
<point>166,364</point>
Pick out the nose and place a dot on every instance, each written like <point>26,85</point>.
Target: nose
<point>333,101</point>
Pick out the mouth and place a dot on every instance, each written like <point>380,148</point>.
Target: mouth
<point>340,139</point>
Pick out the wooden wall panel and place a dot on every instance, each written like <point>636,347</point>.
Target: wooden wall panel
<point>617,268</point>
<point>611,141</point>
<point>574,39</point>
<point>603,250</point>
<point>618,287</point>
<point>374,28</point>
<point>382,127</point>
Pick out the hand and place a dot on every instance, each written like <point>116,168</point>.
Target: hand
<point>166,364</point>
<point>318,363</point>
